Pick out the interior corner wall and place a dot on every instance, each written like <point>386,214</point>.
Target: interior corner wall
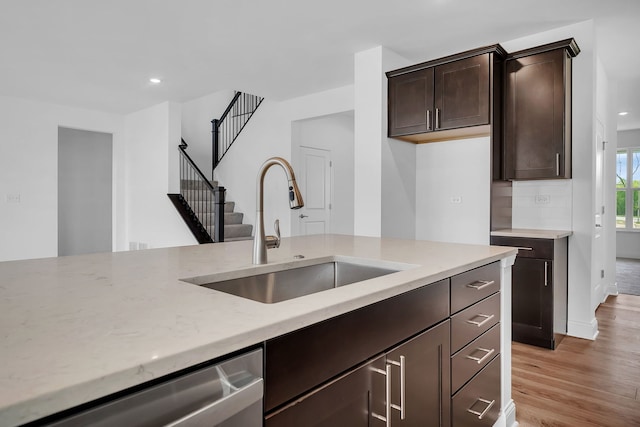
<point>29,174</point>
<point>268,134</point>
<point>152,220</point>
<point>581,316</point>
<point>453,191</point>
<point>628,242</point>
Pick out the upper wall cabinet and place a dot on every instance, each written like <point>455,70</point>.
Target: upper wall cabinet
<point>444,98</point>
<point>537,133</point>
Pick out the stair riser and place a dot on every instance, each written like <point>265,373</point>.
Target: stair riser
<point>208,207</point>
<point>195,184</point>
<point>234,230</point>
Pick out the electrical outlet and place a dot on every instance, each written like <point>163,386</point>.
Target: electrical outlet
<point>13,198</point>
<point>456,200</point>
<point>542,199</point>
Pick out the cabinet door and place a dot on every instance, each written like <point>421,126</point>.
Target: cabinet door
<point>462,93</point>
<point>427,380</point>
<point>538,116</point>
<point>344,402</point>
<point>532,299</point>
<point>411,103</point>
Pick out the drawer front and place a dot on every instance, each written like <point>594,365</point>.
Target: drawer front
<point>478,402</point>
<point>472,286</point>
<point>337,344</point>
<point>527,248</point>
<point>475,356</point>
<point>474,321</point>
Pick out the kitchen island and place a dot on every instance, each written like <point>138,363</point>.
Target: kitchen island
<point>74,329</point>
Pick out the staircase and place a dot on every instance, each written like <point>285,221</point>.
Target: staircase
<point>201,202</point>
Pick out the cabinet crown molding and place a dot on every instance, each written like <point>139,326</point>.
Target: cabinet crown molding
<point>569,45</point>
<point>495,48</point>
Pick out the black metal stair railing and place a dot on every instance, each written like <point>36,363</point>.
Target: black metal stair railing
<point>226,129</point>
<point>204,202</point>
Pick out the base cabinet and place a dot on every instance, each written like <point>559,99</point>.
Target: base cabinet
<point>374,367</point>
<point>539,290</point>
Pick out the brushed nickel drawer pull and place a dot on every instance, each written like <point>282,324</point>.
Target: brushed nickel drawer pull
<point>387,401</point>
<point>480,284</point>
<point>522,248</point>
<point>437,118</point>
<point>403,386</point>
<point>483,413</point>
<point>479,360</point>
<point>428,119</point>
<point>546,273</point>
<point>486,319</point>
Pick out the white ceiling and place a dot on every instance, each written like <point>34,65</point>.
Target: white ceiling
<point>100,54</point>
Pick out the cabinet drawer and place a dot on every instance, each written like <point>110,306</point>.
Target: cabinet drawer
<point>475,356</point>
<point>474,321</point>
<point>478,402</point>
<point>472,286</point>
<point>527,248</point>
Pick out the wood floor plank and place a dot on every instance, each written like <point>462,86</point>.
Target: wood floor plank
<point>584,383</point>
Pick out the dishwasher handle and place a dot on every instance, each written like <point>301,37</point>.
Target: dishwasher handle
<point>222,409</point>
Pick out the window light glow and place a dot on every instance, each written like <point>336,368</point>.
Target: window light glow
<point>155,81</point>
<point>623,113</point>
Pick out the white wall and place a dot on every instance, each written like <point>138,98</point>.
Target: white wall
<point>628,242</point>
<point>152,220</point>
<point>196,126</point>
<point>581,315</point>
<point>385,169</point>
<point>268,134</point>
<point>335,134</point>
<point>28,169</point>
<point>453,191</point>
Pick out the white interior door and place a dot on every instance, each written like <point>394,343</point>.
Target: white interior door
<point>315,184</point>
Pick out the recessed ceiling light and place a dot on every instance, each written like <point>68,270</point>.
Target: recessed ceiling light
<point>155,81</point>
<point>623,113</point>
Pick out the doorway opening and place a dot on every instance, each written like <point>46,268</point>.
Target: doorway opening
<point>85,161</point>
<point>322,153</point>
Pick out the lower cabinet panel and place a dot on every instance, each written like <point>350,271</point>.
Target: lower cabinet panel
<point>344,402</point>
<point>478,402</point>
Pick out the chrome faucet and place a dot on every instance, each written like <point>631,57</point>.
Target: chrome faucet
<point>260,242</point>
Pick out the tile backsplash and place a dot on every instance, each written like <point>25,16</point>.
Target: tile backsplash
<point>542,205</point>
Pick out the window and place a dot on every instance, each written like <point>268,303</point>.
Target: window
<point>628,189</point>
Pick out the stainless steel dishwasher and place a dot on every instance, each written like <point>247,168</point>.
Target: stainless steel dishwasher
<point>227,394</point>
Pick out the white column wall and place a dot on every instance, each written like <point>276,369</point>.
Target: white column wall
<point>368,102</point>
<point>152,220</point>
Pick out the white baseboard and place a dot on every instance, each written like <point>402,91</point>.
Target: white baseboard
<point>508,416</point>
<point>611,290</point>
<point>588,331</point>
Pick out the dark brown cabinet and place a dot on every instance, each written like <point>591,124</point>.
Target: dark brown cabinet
<point>452,93</point>
<point>539,290</point>
<point>475,347</point>
<point>537,110</point>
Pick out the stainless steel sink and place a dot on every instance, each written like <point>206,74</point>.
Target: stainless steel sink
<point>296,282</point>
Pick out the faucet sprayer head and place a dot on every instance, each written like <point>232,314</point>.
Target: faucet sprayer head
<point>295,198</point>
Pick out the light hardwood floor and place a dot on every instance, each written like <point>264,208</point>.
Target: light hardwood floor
<point>584,383</point>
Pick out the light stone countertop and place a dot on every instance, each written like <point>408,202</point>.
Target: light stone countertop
<point>531,233</point>
<point>73,329</point>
